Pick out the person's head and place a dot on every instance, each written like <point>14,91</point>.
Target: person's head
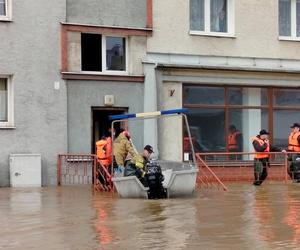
<point>127,134</point>
<point>148,150</point>
<point>295,127</point>
<point>264,134</point>
<point>232,128</point>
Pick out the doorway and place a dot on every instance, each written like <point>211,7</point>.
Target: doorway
<point>101,123</point>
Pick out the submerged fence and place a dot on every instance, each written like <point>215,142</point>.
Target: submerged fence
<point>215,169</point>
<point>238,167</point>
<point>82,169</point>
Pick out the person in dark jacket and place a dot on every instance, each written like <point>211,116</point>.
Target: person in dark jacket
<point>261,161</point>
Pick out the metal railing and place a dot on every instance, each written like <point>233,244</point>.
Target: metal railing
<point>206,177</point>
<point>83,169</point>
<point>238,166</point>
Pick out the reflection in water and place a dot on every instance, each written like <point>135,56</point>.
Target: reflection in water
<point>246,217</point>
<point>292,218</point>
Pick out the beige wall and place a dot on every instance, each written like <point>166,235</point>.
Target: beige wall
<point>136,53</point>
<point>256,30</point>
<point>170,129</point>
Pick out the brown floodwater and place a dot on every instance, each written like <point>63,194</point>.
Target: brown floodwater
<point>245,217</point>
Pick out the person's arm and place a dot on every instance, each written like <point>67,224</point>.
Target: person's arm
<point>275,149</point>
<point>130,149</point>
<point>239,140</point>
<point>298,139</point>
<point>258,147</point>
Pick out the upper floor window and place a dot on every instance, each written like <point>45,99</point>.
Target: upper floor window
<point>212,17</point>
<point>6,102</point>
<point>103,53</point>
<point>5,10</point>
<point>289,19</point>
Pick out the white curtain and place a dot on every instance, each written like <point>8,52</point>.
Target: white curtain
<point>2,8</point>
<point>197,15</point>
<point>285,17</point>
<point>218,15</point>
<point>3,100</point>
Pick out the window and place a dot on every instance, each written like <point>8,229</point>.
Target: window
<point>3,100</point>
<point>248,109</point>
<point>289,19</point>
<point>6,102</point>
<point>5,10</point>
<point>212,17</point>
<point>214,109</point>
<point>101,53</point>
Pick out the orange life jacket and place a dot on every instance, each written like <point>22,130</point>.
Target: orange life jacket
<point>261,142</point>
<point>104,151</point>
<point>232,141</point>
<point>293,142</point>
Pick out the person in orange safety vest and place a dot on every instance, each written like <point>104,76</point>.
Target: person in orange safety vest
<point>235,142</point>
<point>294,146</point>
<point>261,161</point>
<point>104,150</point>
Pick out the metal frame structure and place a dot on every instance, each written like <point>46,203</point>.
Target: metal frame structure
<point>153,115</point>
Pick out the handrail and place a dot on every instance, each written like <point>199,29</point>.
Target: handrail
<point>280,159</point>
<point>213,174</point>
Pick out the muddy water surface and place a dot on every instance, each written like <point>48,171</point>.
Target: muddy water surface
<point>246,217</point>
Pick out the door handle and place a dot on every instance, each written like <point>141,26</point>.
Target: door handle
<point>17,174</point>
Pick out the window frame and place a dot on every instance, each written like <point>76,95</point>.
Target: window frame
<point>10,104</point>
<point>8,11</point>
<point>293,36</point>
<point>103,53</point>
<point>207,27</point>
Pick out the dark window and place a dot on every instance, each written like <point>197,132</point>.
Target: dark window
<point>207,129</point>
<point>204,95</point>
<point>2,7</point>
<point>3,100</point>
<point>91,52</point>
<point>286,97</point>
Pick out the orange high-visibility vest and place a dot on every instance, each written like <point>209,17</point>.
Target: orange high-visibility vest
<point>293,142</point>
<point>232,142</point>
<point>104,151</point>
<point>261,142</point>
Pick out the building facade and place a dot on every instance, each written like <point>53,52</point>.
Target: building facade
<point>230,63</point>
<point>102,52</point>
<point>33,110</point>
<point>67,66</point>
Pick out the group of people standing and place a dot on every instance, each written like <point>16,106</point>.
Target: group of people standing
<point>262,147</point>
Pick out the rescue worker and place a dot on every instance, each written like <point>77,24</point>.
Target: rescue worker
<point>261,161</point>
<point>294,146</point>
<point>104,150</point>
<point>104,157</point>
<point>122,147</point>
<point>137,164</point>
<point>235,142</point>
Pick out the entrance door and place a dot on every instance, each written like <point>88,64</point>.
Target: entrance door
<point>101,123</point>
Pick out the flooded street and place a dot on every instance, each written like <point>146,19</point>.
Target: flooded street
<point>245,217</point>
